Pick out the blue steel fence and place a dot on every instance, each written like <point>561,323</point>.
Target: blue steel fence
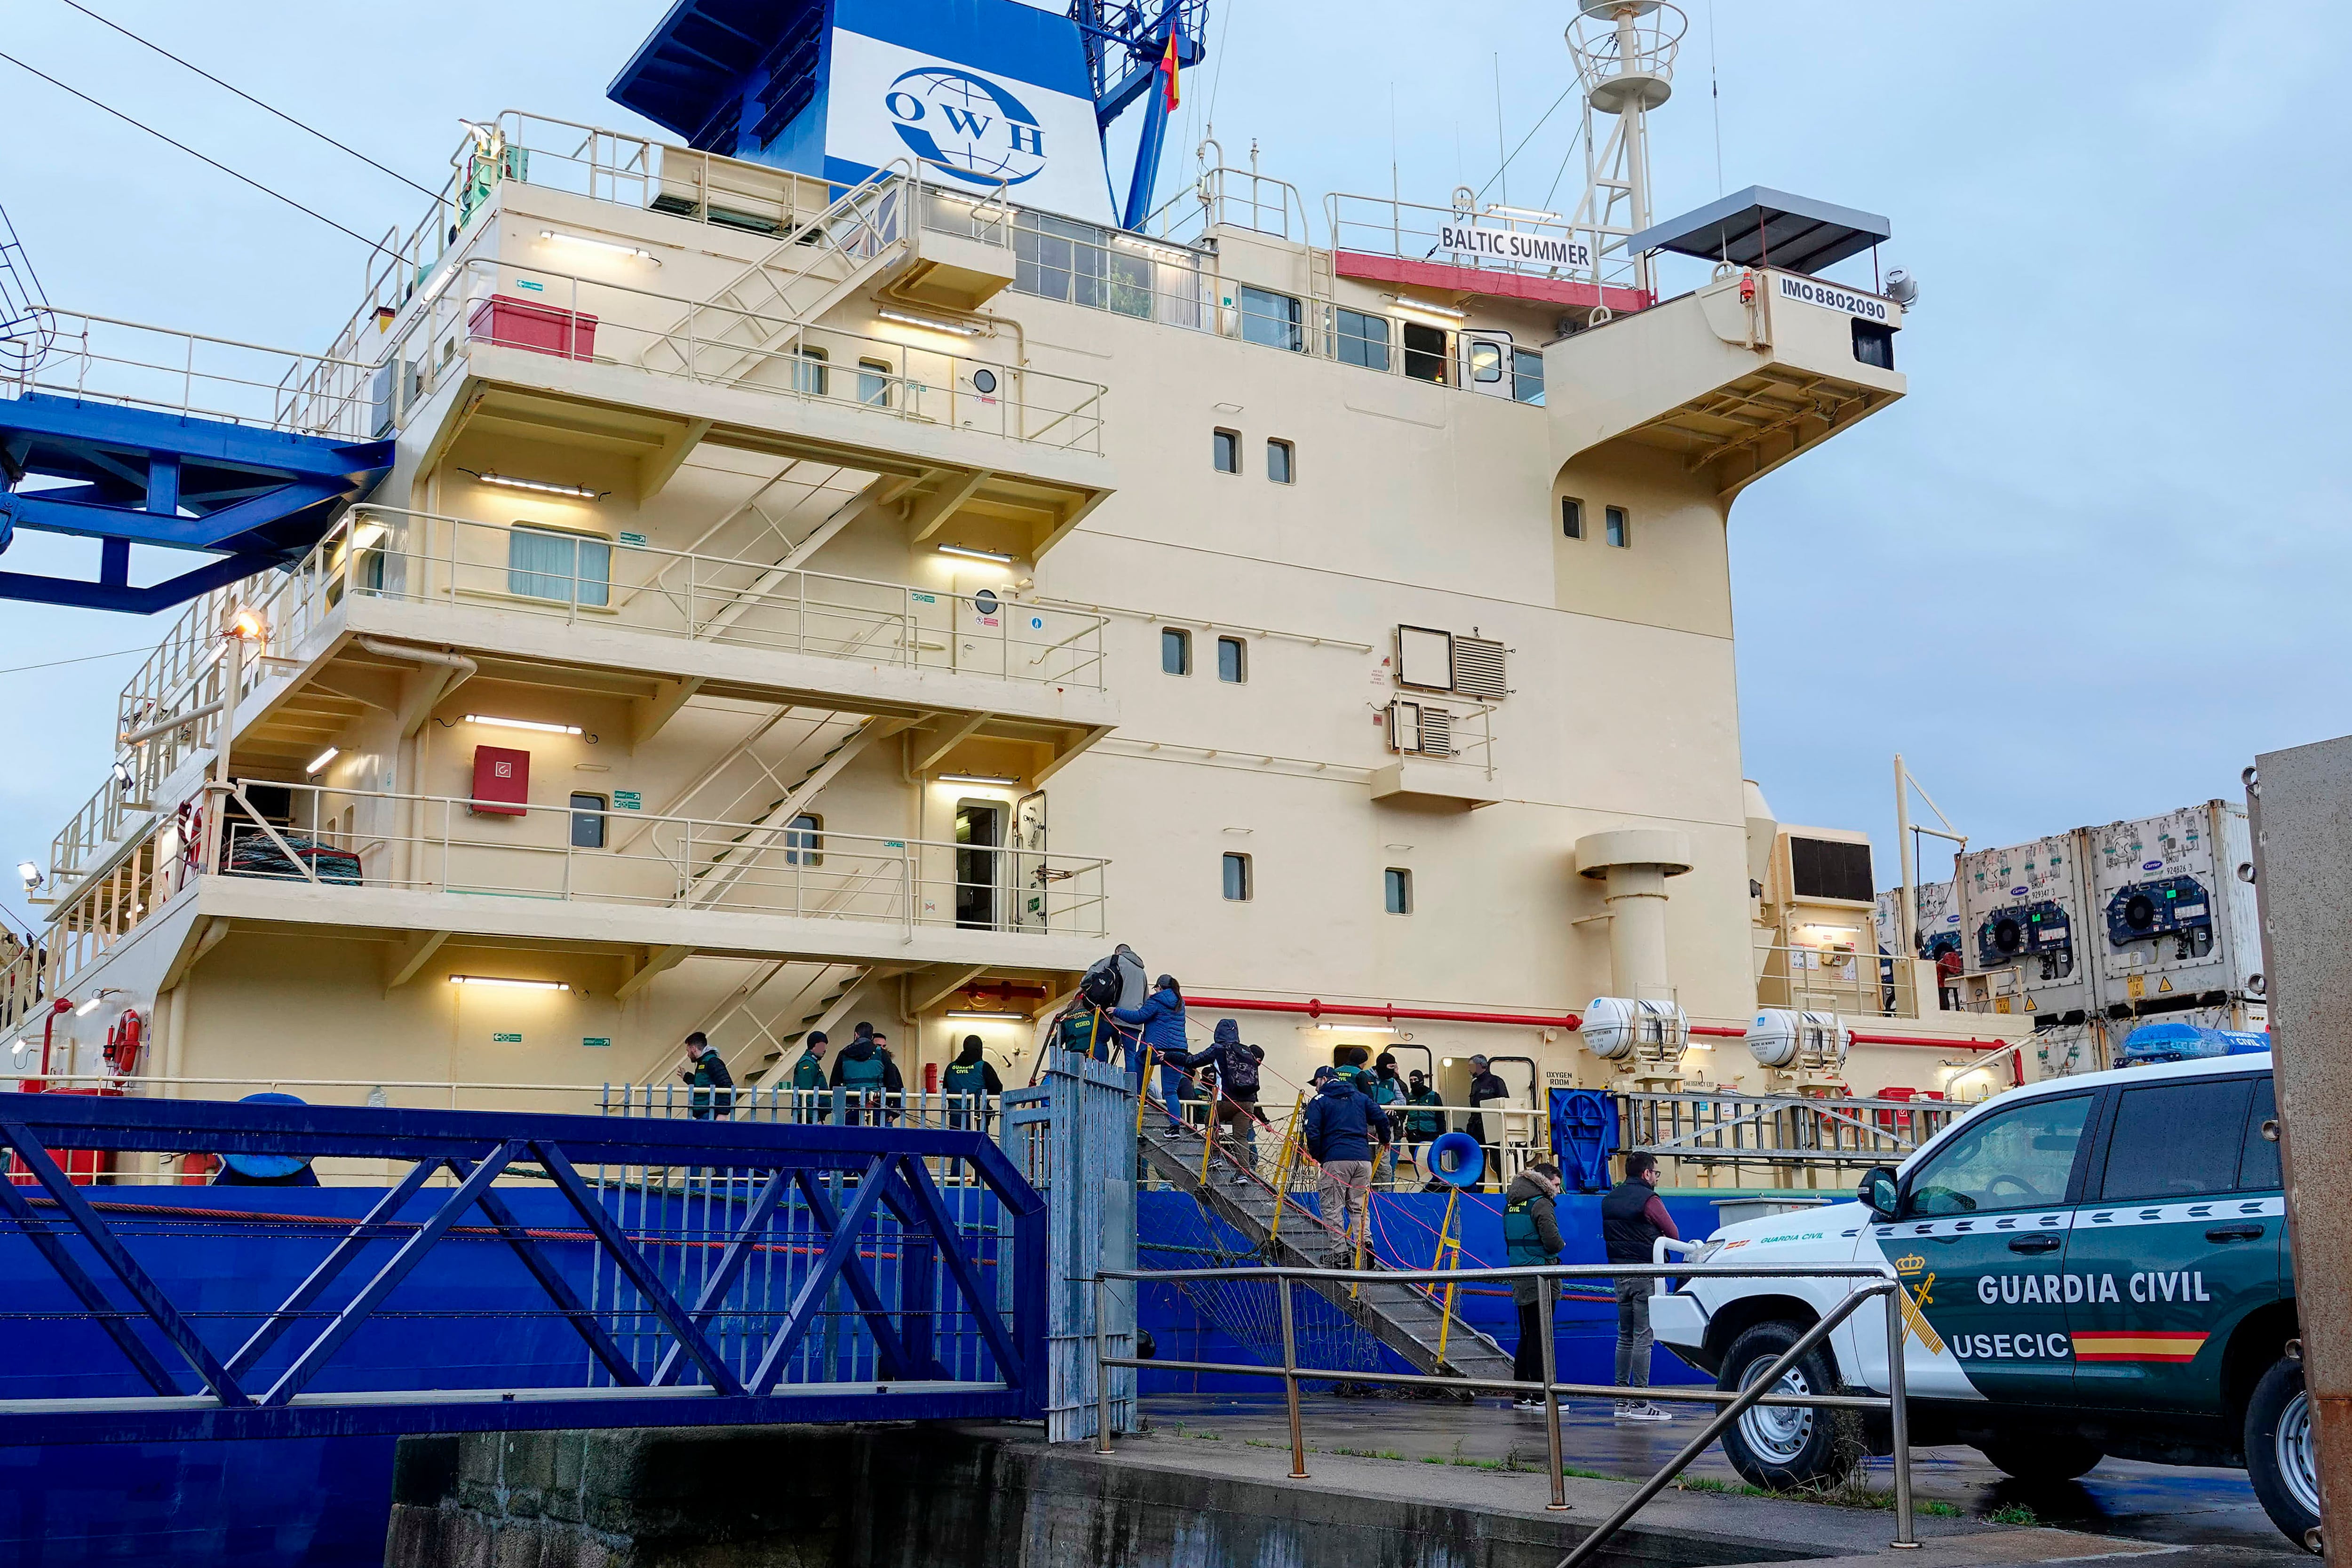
<point>528,1271</point>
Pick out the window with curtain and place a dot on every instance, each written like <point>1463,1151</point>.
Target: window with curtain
<point>564,567</point>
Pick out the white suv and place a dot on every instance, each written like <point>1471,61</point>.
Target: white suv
<point>2095,1265</point>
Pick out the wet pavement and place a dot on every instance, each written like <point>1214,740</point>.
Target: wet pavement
<point>2213,1510</point>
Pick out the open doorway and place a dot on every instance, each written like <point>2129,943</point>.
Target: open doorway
<point>979,832</point>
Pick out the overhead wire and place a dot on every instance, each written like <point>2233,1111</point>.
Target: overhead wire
<point>191,152</point>
<point>83,658</point>
<point>268,108</point>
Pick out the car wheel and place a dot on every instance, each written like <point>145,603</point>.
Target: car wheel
<point>1788,1446</point>
<point>2054,1458</point>
<point>2282,1453</point>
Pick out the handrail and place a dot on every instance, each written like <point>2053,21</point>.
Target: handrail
<point>1883,1283</point>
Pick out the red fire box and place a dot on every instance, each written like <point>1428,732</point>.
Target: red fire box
<point>501,780</point>
<point>515,323</point>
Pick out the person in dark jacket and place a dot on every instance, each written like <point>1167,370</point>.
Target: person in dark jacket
<point>808,1069</point>
<point>1388,1089</point>
<point>1232,1066</point>
<point>1484,1087</point>
<point>865,1073</point>
<point>1421,1128</point>
<point>1532,1237</point>
<point>972,1079</point>
<point>713,1085</point>
<point>1160,1023</point>
<point>1342,1127</point>
<point>1633,1218</point>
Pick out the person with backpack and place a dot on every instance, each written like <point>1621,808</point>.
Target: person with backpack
<point>1531,1238</point>
<point>1234,1086</point>
<point>1159,1026</point>
<point>1421,1128</point>
<point>866,1073</point>
<point>972,1080</point>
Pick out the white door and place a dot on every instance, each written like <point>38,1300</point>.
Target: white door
<point>1028,862</point>
<point>1486,362</point>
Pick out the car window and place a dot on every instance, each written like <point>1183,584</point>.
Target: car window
<point>2017,1159</point>
<point>2259,1167</point>
<point>2177,1140</point>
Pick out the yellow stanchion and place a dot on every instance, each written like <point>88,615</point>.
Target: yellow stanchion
<point>1143,1090</point>
<point>1447,1238</point>
<point>1283,1162</point>
<point>1208,1136</point>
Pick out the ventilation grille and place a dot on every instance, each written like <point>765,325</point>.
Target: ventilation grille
<point>1478,668</point>
<point>1437,731</point>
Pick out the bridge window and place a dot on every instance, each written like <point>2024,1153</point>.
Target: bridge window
<point>1175,651</point>
<point>1238,880</point>
<point>804,840</point>
<point>1232,660</point>
<point>874,383</point>
<point>1278,462</point>
<point>1619,531</point>
<point>1874,344</point>
<point>1226,448</point>
<point>588,821</point>
<point>1271,319</point>
<point>1400,890</point>
<point>565,568</point>
<point>1571,518</point>
<point>1424,352</point>
<point>1527,376</point>
<point>809,373</point>
<point>1361,338</point>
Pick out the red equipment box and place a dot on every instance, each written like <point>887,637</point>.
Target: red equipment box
<point>515,323</point>
<point>501,780</point>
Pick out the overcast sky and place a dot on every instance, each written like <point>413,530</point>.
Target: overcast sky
<point>2091,565</point>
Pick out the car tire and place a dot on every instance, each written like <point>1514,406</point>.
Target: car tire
<point>2281,1450</point>
<point>1787,1446</point>
<point>2052,1458</point>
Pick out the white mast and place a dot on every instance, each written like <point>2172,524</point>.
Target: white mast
<point>1625,54</point>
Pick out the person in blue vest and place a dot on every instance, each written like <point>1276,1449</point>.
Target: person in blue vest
<point>1633,1218</point>
<point>1531,1238</point>
<point>706,1073</point>
<point>1160,1022</point>
<point>971,1078</point>
<point>865,1073</point>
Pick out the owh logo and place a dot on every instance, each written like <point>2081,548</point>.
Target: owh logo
<point>966,126</point>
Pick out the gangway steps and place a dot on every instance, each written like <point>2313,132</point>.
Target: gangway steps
<point>1399,1316</point>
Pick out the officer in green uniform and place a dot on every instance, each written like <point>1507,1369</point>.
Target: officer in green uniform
<point>973,1078</point>
<point>808,1072</point>
<point>1531,1236</point>
<point>866,1073</point>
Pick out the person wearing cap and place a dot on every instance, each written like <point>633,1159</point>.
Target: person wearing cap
<point>1485,1086</point>
<point>1160,1023</point>
<point>1421,1128</point>
<point>972,1079</point>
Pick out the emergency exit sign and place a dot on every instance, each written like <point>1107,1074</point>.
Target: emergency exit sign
<point>506,1039</point>
<point>603,1041</point>
<point>627,800</point>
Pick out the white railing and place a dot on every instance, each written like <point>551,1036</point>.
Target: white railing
<point>1496,240</point>
<point>1855,982</point>
<point>103,359</point>
<point>423,558</point>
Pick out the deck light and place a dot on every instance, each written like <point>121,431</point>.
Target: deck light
<point>1362,1029</point>
<point>122,779</point>
<point>968,554</point>
<point>31,874</point>
<point>510,482</point>
<point>637,251</point>
<point>246,624</point>
<point>522,724</point>
<point>960,328</point>
<point>997,779</point>
<point>507,983</point>
<point>317,764</point>
<point>1448,311</point>
<point>369,535</point>
<point>1496,209</point>
<point>980,1017</point>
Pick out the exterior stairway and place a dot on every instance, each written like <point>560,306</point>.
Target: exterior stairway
<point>1399,1315</point>
<point>824,1012</point>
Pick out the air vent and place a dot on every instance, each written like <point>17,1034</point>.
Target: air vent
<point>1420,730</point>
<point>1830,868</point>
<point>1437,731</point>
<point>1478,668</point>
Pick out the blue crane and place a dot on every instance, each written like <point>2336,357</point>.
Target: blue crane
<point>1125,41</point>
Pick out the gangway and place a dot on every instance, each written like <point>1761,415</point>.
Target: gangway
<point>1404,1318</point>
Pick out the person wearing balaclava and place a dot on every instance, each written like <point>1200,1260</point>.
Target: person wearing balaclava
<point>865,1073</point>
<point>973,1078</point>
<point>1421,1128</point>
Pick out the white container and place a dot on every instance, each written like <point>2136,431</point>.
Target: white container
<point>2024,922</point>
<point>2175,923</point>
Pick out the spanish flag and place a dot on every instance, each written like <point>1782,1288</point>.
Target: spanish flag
<point>1167,68</point>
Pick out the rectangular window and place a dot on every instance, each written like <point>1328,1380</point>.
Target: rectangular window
<point>587,821</point>
<point>1175,651</point>
<point>1424,352</point>
<point>2177,1140</point>
<point>564,567</point>
<point>873,384</point>
<point>1232,661</point>
<point>809,373</point>
<point>1527,376</point>
<point>1361,338</point>
<point>804,840</point>
<point>1237,879</point>
<point>1225,449</point>
<point>1571,518</point>
<point>1874,344</point>
<point>2259,1167</point>
<point>1271,319</point>
<point>1485,362</point>
<point>1400,890</point>
<point>1278,456</point>
<point>1619,531</point>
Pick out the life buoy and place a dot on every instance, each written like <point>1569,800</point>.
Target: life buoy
<point>123,1043</point>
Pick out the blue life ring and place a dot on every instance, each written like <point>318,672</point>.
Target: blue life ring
<point>267,1167</point>
<point>1458,1159</point>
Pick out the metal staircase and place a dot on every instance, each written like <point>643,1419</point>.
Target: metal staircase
<point>843,981</point>
<point>774,830</point>
<point>1399,1316</point>
<point>815,266</point>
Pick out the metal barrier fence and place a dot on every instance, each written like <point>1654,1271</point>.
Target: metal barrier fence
<point>1878,1282</point>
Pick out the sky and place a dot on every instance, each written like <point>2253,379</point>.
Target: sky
<point>2085,571</point>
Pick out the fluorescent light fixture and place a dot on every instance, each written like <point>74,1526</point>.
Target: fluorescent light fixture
<point>505,983</point>
<point>968,554</point>
<point>990,1018</point>
<point>1361,1030</point>
<point>522,724</point>
<point>637,251</point>
<point>122,779</point>
<point>510,482</point>
<point>86,1008</point>
<point>997,779</point>
<point>317,764</point>
<point>1448,311</point>
<point>960,328</point>
<point>1498,209</point>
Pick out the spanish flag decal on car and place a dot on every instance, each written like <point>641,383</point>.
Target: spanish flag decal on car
<point>2137,1344</point>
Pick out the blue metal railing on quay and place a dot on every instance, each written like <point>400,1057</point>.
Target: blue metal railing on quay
<point>567,1271</point>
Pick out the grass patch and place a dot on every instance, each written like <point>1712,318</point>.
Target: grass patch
<point>1262,1443</point>
<point>2013,1514</point>
<point>1207,1437</point>
<point>1852,1494</point>
<point>1432,1458</point>
<point>1585,1475</point>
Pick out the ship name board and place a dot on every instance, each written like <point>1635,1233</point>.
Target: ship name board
<point>1509,245</point>
<point>1829,296</point>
